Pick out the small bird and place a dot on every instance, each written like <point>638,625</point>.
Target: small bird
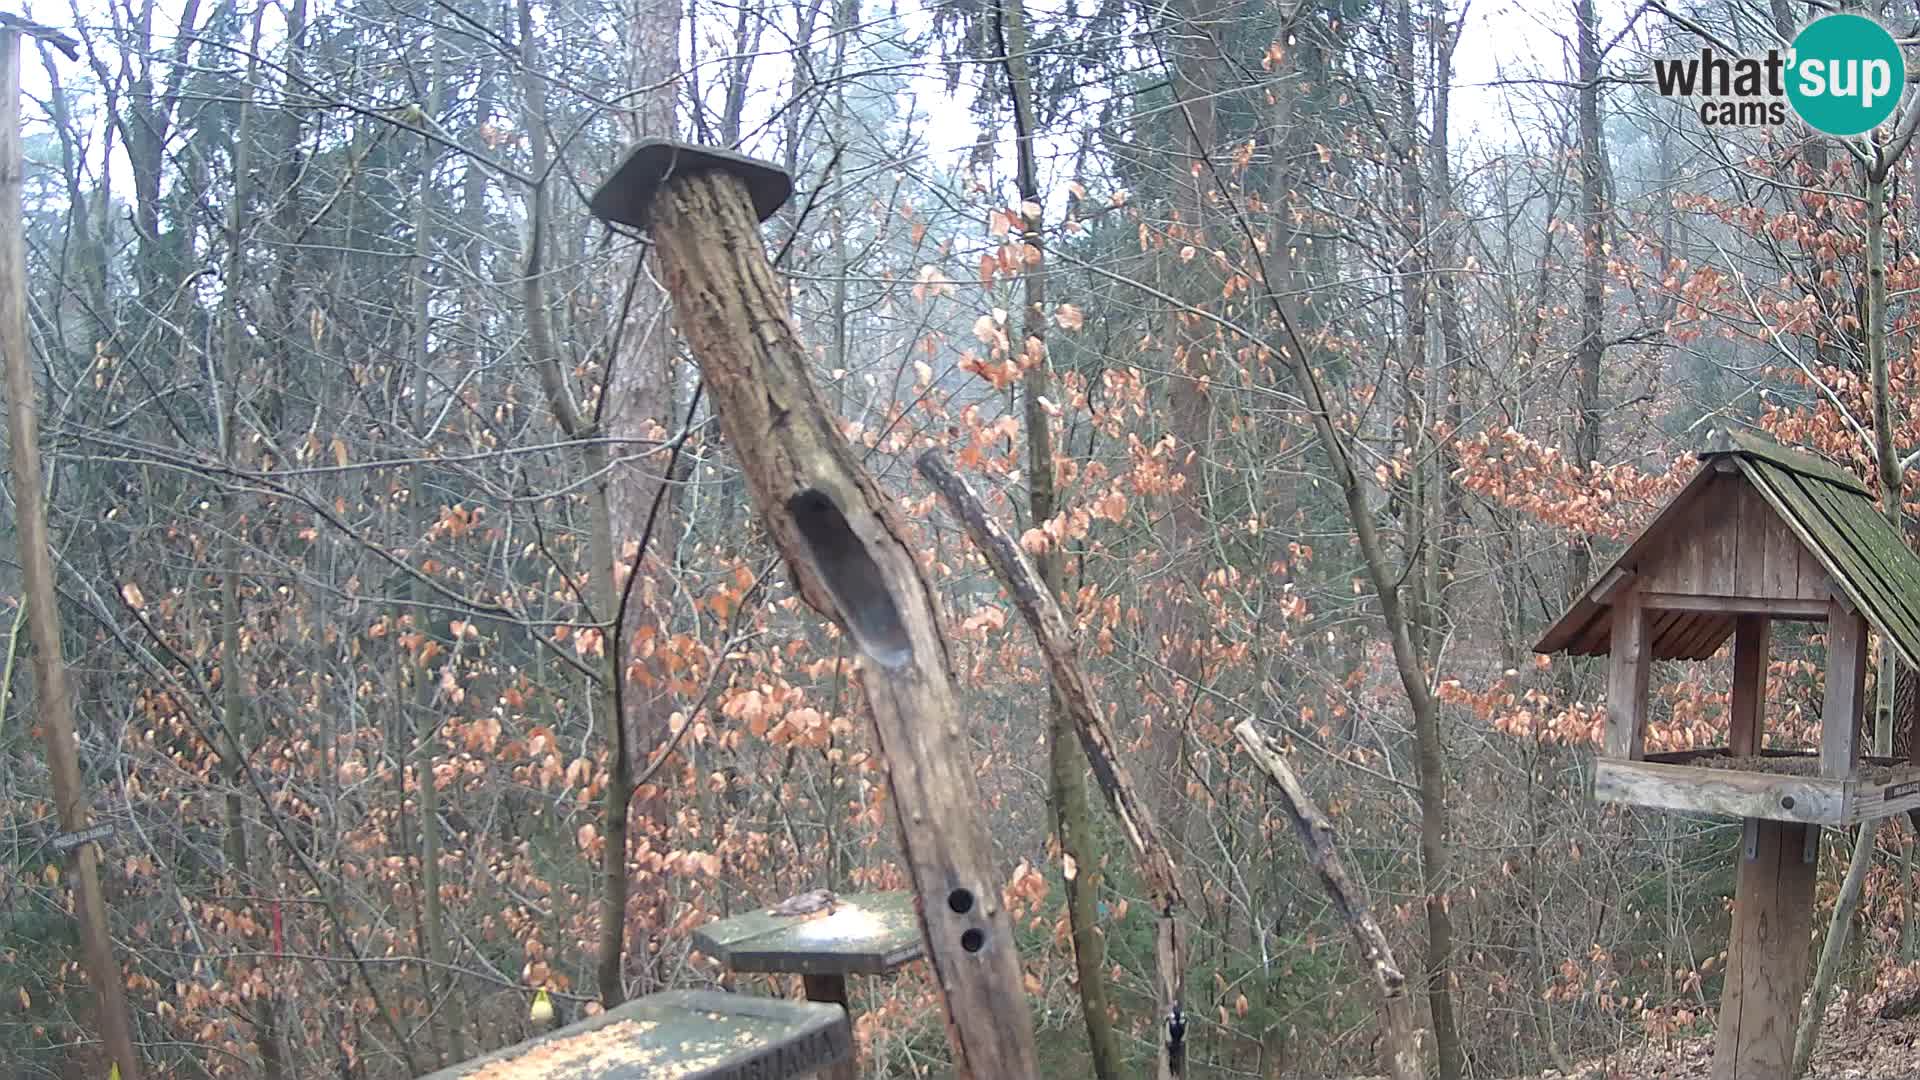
<point>542,1014</point>
<point>806,903</point>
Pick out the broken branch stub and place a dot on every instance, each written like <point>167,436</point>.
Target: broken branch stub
<point>840,537</point>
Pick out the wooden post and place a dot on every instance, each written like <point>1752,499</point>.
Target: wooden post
<point>1846,690</point>
<point>831,989</point>
<point>1767,953</point>
<point>842,540</point>
<point>36,570</point>
<point>1747,712</point>
<point>1627,664</point>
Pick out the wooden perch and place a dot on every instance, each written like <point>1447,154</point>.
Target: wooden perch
<point>1042,612</point>
<point>1399,1037</point>
<point>841,540</point>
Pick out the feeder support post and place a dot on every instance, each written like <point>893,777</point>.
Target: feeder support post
<point>844,544</point>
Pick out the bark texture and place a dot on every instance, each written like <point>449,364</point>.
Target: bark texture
<point>846,547</point>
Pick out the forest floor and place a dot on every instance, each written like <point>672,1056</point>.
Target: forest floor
<point>1851,1048</point>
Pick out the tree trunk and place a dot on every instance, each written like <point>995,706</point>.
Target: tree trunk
<point>639,403</point>
<point>1430,750</point>
<point>1847,904</point>
<point>1066,763</point>
<point>1036,602</point>
<point>1452,361</point>
<point>610,964</point>
<point>1175,618</point>
<point>1400,1037</point>
<point>1591,349</point>
<point>36,571</point>
<point>844,545</point>
<point>1415,275</point>
<point>235,718</point>
<point>423,734</point>
<point>1429,755</point>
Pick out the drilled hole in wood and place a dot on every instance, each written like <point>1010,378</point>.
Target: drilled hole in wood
<point>960,900</point>
<point>1786,802</point>
<point>853,578</point>
<point>974,940</point>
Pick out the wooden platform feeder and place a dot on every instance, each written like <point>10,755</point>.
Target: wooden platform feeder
<point>679,1035</point>
<point>859,934</point>
<point>1760,533</point>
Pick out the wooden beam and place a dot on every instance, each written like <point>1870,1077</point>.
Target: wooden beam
<point>845,545</point>
<point>1699,790</point>
<point>1773,607</point>
<point>1627,666</point>
<point>55,714</point>
<point>1896,794</point>
<point>1846,677</point>
<point>1846,603</point>
<point>1767,954</point>
<point>1747,711</point>
<point>832,990</point>
<point>1610,585</point>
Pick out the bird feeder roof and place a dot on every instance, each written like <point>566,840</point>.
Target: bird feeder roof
<point>1759,528</point>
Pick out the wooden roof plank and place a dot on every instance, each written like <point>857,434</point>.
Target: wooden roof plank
<point>1899,621</point>
<point>1576,618</point>
<point>1886,551</point>
<point>1793,497</point>
<point>1703,637</point>
<point>1827,525</point>
<point>1885,586</point>
<point>1753,445</point>
<point>1671,630</point>
<point>1595,637</point>
<point>1830,515</point>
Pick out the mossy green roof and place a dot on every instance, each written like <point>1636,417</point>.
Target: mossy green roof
<point>1831,512</point>
<point>1837,518</point>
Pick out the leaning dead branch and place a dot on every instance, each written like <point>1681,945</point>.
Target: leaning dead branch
<point>1399,1037</point>
<point>1042,612</point>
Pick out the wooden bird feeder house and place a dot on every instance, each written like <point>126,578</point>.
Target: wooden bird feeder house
<point>1760,533</point>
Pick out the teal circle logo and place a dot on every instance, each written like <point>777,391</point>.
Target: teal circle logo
<point>1846,75</point>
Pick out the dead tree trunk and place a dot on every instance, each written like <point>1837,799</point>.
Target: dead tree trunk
<point>1067,775</point>
<point>843,542</point>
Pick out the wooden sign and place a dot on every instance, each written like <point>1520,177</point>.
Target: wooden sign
<point>68,841</point>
